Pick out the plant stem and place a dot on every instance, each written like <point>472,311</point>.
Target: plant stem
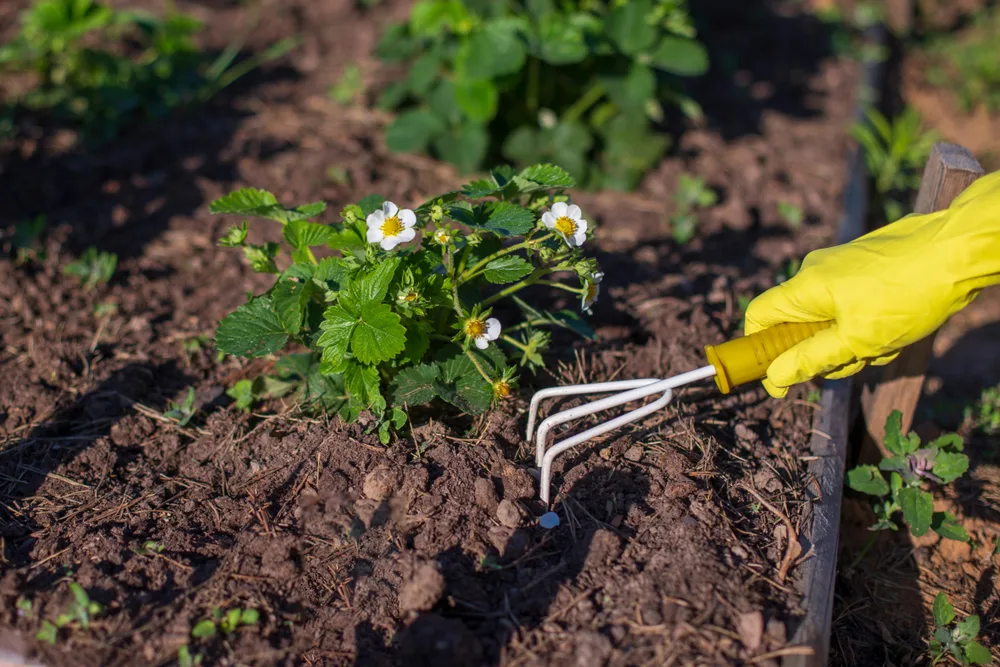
<point>512,341</point>
<point>864,550</point>
<point>456,300</point>
<point>476,270</point>
<point>562,286</point>
<point>587,100</point>
<point>479,368</point>
<point>530,280</point>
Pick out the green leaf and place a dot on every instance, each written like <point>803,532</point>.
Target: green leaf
<point>545,177</point>
<point>918,509</point>
<point>523,145</point>
<point>566,319</point>
<point>289,300</point>
<point>867,479</point>
<point>634,90</point>
<point>946,525</point>
<point>362,384</point>
<point>495,50</point>
<point>48,633</point>
<point>507,219</point>
<point>944,613</point>
<point>628,27</point>
<point>397,417</point>
<point>417,342</point>
<point>370,204</point>
<point>372,286</point>
<point>949,466</point>
<point>79,595</point>
<point>481,188</point>
<point>246,201</point>
<point>949,441</point>
<point>261,257</point>
<point>686,57</point>
<point>416,385</point>
<point>474,394</point>
<point>252,330</point>
<point>413,130</point>
<point>337,327</point>
<point>464,147</point>
<point>379,335</point>
<point>242,393</point>
<point>560,42</point>
<point>302,234</point>
<point>507,269</point>
<point>969,627</point>
<point>204,629</point>
<point>977,654</point>
<point>230,621</point>
<point>429,18</point>
<point>442,102</point>
<point>893,440</point>
<point>235,237</point>
<point>477,99</point>
<point>424,72</point>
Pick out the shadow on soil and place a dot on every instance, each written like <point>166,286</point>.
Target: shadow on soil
<point>506,596</point>
<point>69,432</point>
<point>121,195</point>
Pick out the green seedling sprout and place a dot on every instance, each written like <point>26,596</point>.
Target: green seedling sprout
<point>691,196</point>
<point>580,84</point>
<point>181,413</point>
<point>186,659</point>
<point>985,414</point>
<point>791,214</point>
<point>93,268</point>
<point>911,467</point>
<point>79,614</point>
<point>224,622</point>
<point>393,323</point>
<point>967,63</point>
<point>957,639</point>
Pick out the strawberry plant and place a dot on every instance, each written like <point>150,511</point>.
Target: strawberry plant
<point>910,467</point>
<point>580,83</point>
<point>100,69</point>
<point>392,323</point>
<point>958,639</point>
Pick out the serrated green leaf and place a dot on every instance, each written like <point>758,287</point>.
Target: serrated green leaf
<point>417,343</point>
<point>949,441</point>
<point>481,188</point>
<point>949,466</point>
<point>252,330</point>
<point>893,435</point>
<point>303,234</point>
<point>677,55</point>
<point>477,98</point>
<point>242,394</point>
<point>372,286</point>
<point>628,27</point>
<point>245,201</point>
<point>261,257</point>
<point>969,626</point>
<point>867,479</point>
<point>370,204</point>
<point>566,319</point>
<point>362,383</point>
<point>413,130</point>
<point>332,272</point>
<point>944,613</point>
<point>946,525</point>
<point>379,335</point>
<point>474,392</point>
<point>507,269</point>
<point>977,654</point>
<point>338,327</point>
<point>561,42</point>
<point>507,219</point>
<point>494,51</point>
<point>416,385</point>
<point>918,509</point>
<point>236,236</point>
<point>545,177</point>
<point>289,299</point>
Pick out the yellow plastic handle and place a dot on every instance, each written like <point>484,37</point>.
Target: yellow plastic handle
<point>746,359</point>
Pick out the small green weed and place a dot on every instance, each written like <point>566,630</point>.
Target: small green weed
<point>186,659</point>
<point>958,639</point>
<point>691,196</point>
<point>791,214</point>
<point>226,623</point>
<point>93,268</point>
<point>78,615</point>
<point>909,467</point>
<point>148,548</point>
<point>100,69</point>
<point>349,86</point>
<point>243,394</point>
<point>576,83</point>
<point>968,64</point>
<point>181,413</point>
<point>895,153</point>
<point>985,414</point>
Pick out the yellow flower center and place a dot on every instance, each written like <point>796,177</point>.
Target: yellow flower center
<point>501,389</point>
<point>566,225</point>
<point>591,292</point>
<point>475,328</point>
<point>441,237</point>
<point>411,296</point>
<point>392,226</point>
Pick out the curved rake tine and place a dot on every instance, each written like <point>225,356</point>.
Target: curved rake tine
<point>600,429</point>
<point>573,389</point>
<point>643,390</point>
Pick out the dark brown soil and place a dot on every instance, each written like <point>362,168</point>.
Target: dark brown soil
<point>426,551</point>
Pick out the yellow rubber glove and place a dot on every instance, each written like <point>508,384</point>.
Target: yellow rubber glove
<point>885,290</point>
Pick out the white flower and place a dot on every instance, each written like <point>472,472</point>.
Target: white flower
<point>591,290</point>
<point>391,226</point>
<point>566,220</point>
<point>482,332</point>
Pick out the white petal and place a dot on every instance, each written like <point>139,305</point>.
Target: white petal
<point>578,239</point>
<point>390,242</point>
<point>559,209</point>
<point>389,209</point>
<point>375,219</point>
<point>492,328</point>
<point>406,235</point>
<point>482,343</point>
<point>597,277</point>
<point>549,219</point>
<point>581,226</point>
<point>574,211</point>
<point>375,234</point>
<point>407,217</point>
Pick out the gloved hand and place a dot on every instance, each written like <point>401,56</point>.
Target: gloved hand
<point>885,290</point>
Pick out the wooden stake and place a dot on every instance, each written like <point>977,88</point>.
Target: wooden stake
<point>950,170</point>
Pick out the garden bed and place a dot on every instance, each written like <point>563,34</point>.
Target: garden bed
<point>355,553</point>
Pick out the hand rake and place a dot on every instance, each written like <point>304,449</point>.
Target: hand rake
<point>733,363</point>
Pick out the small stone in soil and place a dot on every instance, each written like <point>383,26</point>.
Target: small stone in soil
<point>423,590</point>
<point>549,520</point>
<point>507,514</point>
